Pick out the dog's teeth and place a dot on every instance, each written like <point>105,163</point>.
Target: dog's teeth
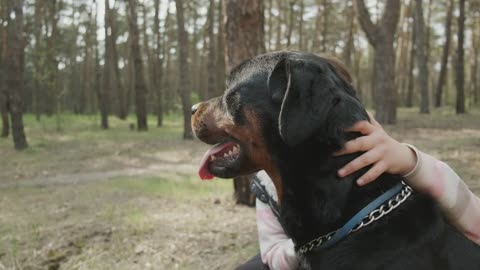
<point>225,155</point>
<point>235,149</point>
<point>212,157</point>
<point>229,152</point>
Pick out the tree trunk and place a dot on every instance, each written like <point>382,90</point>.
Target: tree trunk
<point>411,67</point>
<point>157,66</point>
<point>14,63</point>
<point>460,69</point>
<point>220,51</point>
<point>137,65</point>
<point>444,62</point>
<point>37,58</point>
<point>325,12</point>
<point>244,40</point>
<point>278,29</point>
<point>211,69</point>
<point>476,54</point>
<point>104,95</point>
<point>421,57</point>
<point>270,25</point>
<point>291,12</point>
<point>3,88</point>
<point>381,36</point>
<point>98,74</point>
<point>110,14</point>
<point>183,71</point>
<point>347,51</point>
<point>244,31</point>
<point>300,26</point>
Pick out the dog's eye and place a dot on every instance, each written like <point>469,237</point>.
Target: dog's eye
<point>231,103</point>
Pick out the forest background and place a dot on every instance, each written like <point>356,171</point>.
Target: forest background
<point>97,159</point>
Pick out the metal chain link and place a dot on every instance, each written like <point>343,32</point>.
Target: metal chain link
<point>373,216</point>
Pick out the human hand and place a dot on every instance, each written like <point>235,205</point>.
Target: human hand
<point>382,151</point>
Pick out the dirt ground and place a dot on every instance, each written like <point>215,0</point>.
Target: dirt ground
<point>90,199</point>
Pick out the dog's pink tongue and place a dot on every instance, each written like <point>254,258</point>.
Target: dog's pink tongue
<point>203,172</point>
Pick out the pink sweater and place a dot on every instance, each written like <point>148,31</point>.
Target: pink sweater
<point>459,204</point>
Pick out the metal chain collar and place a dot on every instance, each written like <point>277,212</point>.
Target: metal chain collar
<point>373,216</point>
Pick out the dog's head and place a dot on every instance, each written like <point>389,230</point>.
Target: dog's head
<point>275,102</point>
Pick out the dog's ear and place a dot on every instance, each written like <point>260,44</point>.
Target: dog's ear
<point>317,103</point>
<point>279,80</point>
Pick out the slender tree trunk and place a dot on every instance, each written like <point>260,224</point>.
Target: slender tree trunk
<point>421,57</point>
<point>279,23</point>
<point>220,51</point>
<point>244,40</point>
<point>104,96</point>
<point>476,55</point>
<point>325,30</point>
<point>37,58</point>
<point>3,88</point>
<point>110,14</point>
<point>270,25</point>
<point>157,66</point>
<point>98,74</point>
<point>211,68</point>
<point>300,26</point>
<point>291,22</point>
<point>381,36</point>
<point>445,53</point>
<point>347,52</point>
<point>183,71</point>
<point>411,67</point>
<point>14,63</point>
<point>137,65</point>
<point>460,69</point>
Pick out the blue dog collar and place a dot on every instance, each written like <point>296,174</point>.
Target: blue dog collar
<point>400,191</point>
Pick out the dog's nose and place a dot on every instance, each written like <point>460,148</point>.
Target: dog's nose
<point>195,108</point>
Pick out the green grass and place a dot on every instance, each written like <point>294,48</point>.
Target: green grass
<point>82,139</point>
<point>185,188</point>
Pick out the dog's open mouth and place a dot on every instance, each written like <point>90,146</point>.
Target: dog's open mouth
<point>220,160</point>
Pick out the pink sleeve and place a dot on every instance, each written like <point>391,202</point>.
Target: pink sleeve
<point>276,249</point>
<point>456,200</point>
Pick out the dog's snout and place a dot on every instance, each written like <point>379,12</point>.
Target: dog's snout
<point>195,108</point>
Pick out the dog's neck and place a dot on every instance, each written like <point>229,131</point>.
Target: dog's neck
<point>315,199</point>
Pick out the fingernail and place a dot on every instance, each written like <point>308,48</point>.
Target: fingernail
<point>341,172</point>
<point>360,181</point>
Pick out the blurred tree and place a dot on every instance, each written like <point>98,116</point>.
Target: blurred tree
<point>381,37</point>
<point>411,67</point>
<point>475,88</point>
<point>445,53</point>
<point>420,43</point>
<point>137,66</point>
<point>183,71</point>
<point>14,62</point>
<point>220,48</point>
<point>110,19</point>
<point>3,87</point>
<point>244,39</point>
<point>104,94</point>
<point>460,68</point>
<point>157,75</point>
<point>211,62</point>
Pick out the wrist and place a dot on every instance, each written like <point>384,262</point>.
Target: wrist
<point>411,160</point>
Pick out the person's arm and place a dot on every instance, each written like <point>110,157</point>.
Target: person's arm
<point>458,203</point>
<point>276,248</point>
<point>421,171</point>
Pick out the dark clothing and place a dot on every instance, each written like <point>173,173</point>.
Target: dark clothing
<point>254,263</point>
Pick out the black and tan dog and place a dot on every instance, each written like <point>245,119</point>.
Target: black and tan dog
<point>285,113</point>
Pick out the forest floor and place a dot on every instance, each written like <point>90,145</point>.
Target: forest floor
<point>84,198</point>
